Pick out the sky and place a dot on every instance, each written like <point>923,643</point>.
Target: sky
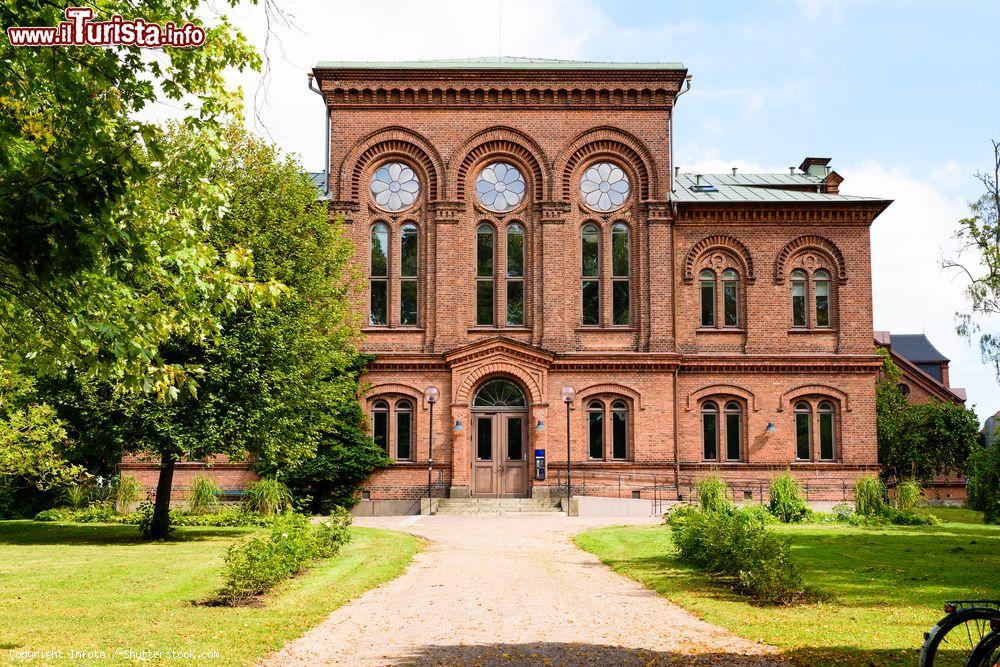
<point>902,94</point>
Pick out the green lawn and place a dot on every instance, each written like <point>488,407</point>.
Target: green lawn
<point>82,587</point>
<point>880,588</point>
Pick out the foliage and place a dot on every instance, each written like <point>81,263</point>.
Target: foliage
<point>258,565</point>
<point>127,492</point>
<point>922,440</point>
<point>737,544</point>
<point>75,496</point>
<point>267,497</point>
<point>909,495</point>
<point>145,519</point>
<point>713,494</point>
<point>93,513</point>
<point>984,482</point>
<point>872,509</point>
<point>787,499</point>
<point>869,496</point>
<point>204,495</point>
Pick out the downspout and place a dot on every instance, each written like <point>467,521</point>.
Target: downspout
<point>326,156</point>
<point>673,296</point>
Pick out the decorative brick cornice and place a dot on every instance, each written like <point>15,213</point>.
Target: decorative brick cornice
<point>719,241</point>
<point>845,213</point>
<point>807,243</point>
<point>345,209</point>
<point>552,212</point>
<point>446,212</point>
<point>657,211</point>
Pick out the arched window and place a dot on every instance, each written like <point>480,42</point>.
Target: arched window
<point>707,278</point>
<point>499,393</point>
<point>734,431</point>
<point>408,260</point>
<point>484,275</point>
<point>595,429</point>
<point>821,288</point>
<point>378,290</point>
<point>619,430</point>
<point>621,284</point>
<point>803,431</point>
<point>903,388</point>
<point>380,424</point>
<point>590,239</point>
<point>710,430</point>
<point>799,309</point>
<point>730,299</point>
<point>404,429</point>
<point>515,274</point>
<point>826,431</point>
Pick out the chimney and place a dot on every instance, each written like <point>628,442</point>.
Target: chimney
<point>734,171</point>
<point>791,171</point>
<point>697,179</point>
<point>815,166</point>
<point>677,172</point>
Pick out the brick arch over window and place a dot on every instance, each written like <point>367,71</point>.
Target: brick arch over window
<point>500,143</point>
<point>392,142</point>
<point>816,244</point>
<point>473,380</point>
<point>719,390</point>
<point>826,391</point>
<point>396,388</point>
<point>724,242</point>
<point>611,389</point>
<point>613,144</point>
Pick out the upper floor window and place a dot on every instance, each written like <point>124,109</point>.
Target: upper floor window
<point>608,434</point>
<point>394,187</point>
<point>722,431</point>
<point>712,286</point>
<point>811,290</point>
<point>484,274</point>
<point>621,283</point>
<point>506,266</point>
<point>500,187</point>
<point>807,446</point>
<point>378,299</point>
<point>406,258</point>
<point>590,240</point>
<point>409,253</point>
<point>594,278</point>
<point>515,274</point>
<point>604,187</point>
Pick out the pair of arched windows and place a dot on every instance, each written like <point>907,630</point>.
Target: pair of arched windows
<point>510,273</point>
<point>396,438</point>
<point>726,284</point>
<point>593,273</point>
<point>380,273</point>
<point>722,432</point>
<point>807,428</point>
<point>608,435</point>
<point>819,288</point>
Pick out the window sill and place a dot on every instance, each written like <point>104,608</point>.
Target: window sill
<point>407,328</point>
<point>614,328</point>
<point>813,330</point>
<point>805,462</point>
<point>490,329</point>
<point>716,462</point>
<point>720,330</point>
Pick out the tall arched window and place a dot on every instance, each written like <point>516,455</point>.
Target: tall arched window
<point>734,431</point>
<point>378,290</point>
<point>821,288</point>
<point>621,284</point>
<point>710,430</point>
<point>404,429</point>
<point>380,424</point>
<point>619,430</point>
<point>590,239</point>
<point>803,431</point>
<point>799,307</point>
<point>515,274</point>
<point>484,275</point>
<point>595,429</point>
<point>730,299</point>
<point>707,278</point>
<point>826,431</point>
<point>408,261</point>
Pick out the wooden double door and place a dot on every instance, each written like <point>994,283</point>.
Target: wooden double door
<point>500,455</point>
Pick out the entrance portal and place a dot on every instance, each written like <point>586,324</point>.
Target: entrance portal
<point>499,441</point>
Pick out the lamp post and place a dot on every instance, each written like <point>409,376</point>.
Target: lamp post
<point>431,394</point>
<point>567,394</point>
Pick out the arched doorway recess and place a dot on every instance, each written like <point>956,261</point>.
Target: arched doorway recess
<point>499,440</point>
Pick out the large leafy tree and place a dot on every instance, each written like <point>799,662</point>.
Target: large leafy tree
<point>979,262</point>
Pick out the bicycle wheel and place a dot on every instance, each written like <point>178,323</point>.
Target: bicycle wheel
<point>952,640</point>
<point>987,653</point>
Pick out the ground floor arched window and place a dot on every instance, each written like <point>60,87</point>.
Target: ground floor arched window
<point>608,430</point>
<point>722,431</point>
<point>393,427</point>
<point>815,430</point>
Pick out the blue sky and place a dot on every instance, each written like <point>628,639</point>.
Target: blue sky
<point>903,95</point>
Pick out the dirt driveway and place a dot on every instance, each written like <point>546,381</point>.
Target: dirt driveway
<point>512,591</point>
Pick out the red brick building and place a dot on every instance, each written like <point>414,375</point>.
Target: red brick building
<point>521,228</point>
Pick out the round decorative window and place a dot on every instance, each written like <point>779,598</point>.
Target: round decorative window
<point>604,186</point>
<point>394,186</point>
<point>500,187</point>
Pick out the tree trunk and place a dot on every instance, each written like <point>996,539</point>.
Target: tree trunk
<point>160,527</point>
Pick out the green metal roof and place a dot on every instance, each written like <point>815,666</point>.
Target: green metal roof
<point>763,188</point>
<point>504,62</point>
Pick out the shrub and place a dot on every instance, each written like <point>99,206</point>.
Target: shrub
<point>787,500</point>
<point>984,482</point>
<point>909,496</point>
<point>268,496</point>
<point>127,492</point>
<point>869,496</point>
<point>760,513</point>
<point>143,517</point>
<point>204,495</point>
<point>75,496</point>
<point>737,544</point>
<point>713,494</point>
<point>93,513</point>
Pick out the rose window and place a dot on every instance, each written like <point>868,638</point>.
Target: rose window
<point>500,187</point>
<point>604,186</point>
<point>394,186</point>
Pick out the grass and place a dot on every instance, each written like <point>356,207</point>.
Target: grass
<point>98,588</point>
<point>879,589</point>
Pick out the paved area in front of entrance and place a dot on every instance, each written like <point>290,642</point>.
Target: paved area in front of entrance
<point>513,591</point>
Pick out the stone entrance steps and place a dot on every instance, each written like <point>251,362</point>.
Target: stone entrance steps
<point>498,506</point>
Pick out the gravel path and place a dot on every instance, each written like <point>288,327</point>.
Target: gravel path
<point>512,591</point>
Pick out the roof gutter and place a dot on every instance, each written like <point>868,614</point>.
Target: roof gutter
<point>687,87</point>
<point>326,155</point>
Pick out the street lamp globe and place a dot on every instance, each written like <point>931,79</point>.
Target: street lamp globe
<point>431,394</point>
<point>567,394</point>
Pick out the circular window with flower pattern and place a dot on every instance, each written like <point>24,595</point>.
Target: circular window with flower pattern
<point>500,187</point>
<point>604,186</point>
<point>394,186</point>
